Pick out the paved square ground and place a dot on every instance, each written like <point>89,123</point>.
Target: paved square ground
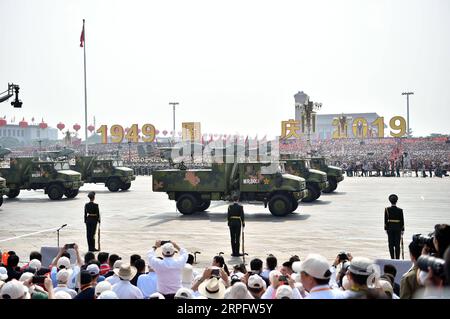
<point>350,219</point>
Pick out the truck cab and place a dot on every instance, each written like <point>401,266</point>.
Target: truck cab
<point>335,174</point>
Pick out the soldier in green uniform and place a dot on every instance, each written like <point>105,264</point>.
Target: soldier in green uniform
<point>235,221</point>
<point>394,226</point>
<point>91,218</point>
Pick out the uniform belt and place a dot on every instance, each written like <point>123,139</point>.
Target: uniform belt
<point>235,217</point>
<point>394,220</point>
<point>90,215</point>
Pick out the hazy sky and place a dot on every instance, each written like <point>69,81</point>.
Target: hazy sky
<point>232,65</point>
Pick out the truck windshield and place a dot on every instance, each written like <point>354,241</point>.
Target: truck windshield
<point>117,163</point>
<point>273,168</point>
<point>61,166</point>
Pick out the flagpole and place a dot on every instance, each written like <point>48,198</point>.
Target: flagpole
<point>85,91</point>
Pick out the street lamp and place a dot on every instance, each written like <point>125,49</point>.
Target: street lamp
<point>173,105</point>
<point>407,110</point>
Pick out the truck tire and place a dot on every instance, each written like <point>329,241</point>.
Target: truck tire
<point>1,200</point>
<point>312,193</point>
<point>71,193</point>
<point>294,205</point>
<point>332,184</point>
<point>113,184</point>
<point>13,193</point>
<point>280,205</point>
<point>187,204</point>
<point>126,186</point>
<point>55,192</point>
<point>204,205</point>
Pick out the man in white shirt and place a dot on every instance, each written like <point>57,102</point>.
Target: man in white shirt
<point>124,289</point>
<point>169,269</point>
<point>315,277</point>
<point>147,283</point>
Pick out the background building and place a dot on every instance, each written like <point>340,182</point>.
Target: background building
<point>12,133</point>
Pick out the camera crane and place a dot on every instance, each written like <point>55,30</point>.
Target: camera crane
<point>12,89</point>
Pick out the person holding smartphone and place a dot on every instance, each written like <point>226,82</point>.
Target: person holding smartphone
<point>91,218</point>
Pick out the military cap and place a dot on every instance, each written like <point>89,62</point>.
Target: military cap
<point>393,198</point>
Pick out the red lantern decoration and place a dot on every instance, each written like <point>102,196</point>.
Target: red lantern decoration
<point>91,128</point>
<point>23,123</point>
<point>43,125</point>
<point>60,126</point>
<point>164,132</point>
<point>2,122</point>
<point>76,127</point>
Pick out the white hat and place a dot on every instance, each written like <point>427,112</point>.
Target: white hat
<point>187,275</point>
<point>256,282</point>
<point>35,263</point>
<point>156,295</point>
<point>3,273</point>
<point>14,289</point>
<point>108,294</point>
<point>316,266</point>
<point>117,264</point>
<point>239,291</point>
<point>61,294</point>
<point>63,262</point>
<point>93,269</point>
<point>273,276</point>
<point>25,276</point>
<point>183,293</point>
<point>212,288</point>
<point>283,292</point>
<point>168,249</point>
<point>126,272</point>
<point>361,266</point>
<point>63,276</point>
<point>102,286</point>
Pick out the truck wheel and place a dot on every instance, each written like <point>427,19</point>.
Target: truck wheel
<point>187,204</point>
<point>13,193</point>
<point>204,205</point>
<point>55,192</point>
<point>280,205</point>
<point>312,194</point>
<point>126,186</point>
<point>113,185</point>
<point>1,200</point>
<point>332,184</point>
<point>71,193</point>
<point>335,185</point>
<point>294,205</point>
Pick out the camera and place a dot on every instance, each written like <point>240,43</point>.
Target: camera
<point>38,279</point>
<point>163,242</point>
<point>68,246</point>
<point>283,279</point>
<point>423,240</point>
<point>342,256</point>
<point>437,265</point>
<point>215,272</point>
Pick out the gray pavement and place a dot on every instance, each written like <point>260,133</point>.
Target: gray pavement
<point>350,219</point>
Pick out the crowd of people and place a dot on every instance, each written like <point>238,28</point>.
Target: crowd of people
<point>168,272</point>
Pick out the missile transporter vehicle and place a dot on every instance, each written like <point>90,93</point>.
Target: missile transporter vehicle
<point>110,172</point>
<point>3,189</point>
<point>335,174</point>
<point>316,181</point>
<point>55,178</point>
<point>194,189</point>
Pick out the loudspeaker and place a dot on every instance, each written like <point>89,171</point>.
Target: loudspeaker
<point>49,253</point>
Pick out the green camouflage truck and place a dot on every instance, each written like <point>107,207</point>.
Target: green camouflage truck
<point>3,189</point>
<point>316,181</point>
<point>55,178</point>
<point>194,189</point>
<point>110,172</point>
<point>334,174</point>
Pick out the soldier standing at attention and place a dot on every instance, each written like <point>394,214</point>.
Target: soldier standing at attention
<point>394,226</point>
<point>235,220</point>
<point>91,218</point>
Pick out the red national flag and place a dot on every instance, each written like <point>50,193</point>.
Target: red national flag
<point>82,36</point>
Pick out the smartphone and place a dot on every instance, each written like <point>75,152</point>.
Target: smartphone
<point>163,242</point>
<point>283,278</point>
<point>68,246</point>
<point>215,272</point>
<point>38,279</point>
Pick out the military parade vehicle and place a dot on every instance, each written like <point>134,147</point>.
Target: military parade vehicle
<point>316,181</point>
<point>194,189</point>
<point>334,174</point>
<point>55,177</point>
<point>3,189</point>
<point>110,172</point>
